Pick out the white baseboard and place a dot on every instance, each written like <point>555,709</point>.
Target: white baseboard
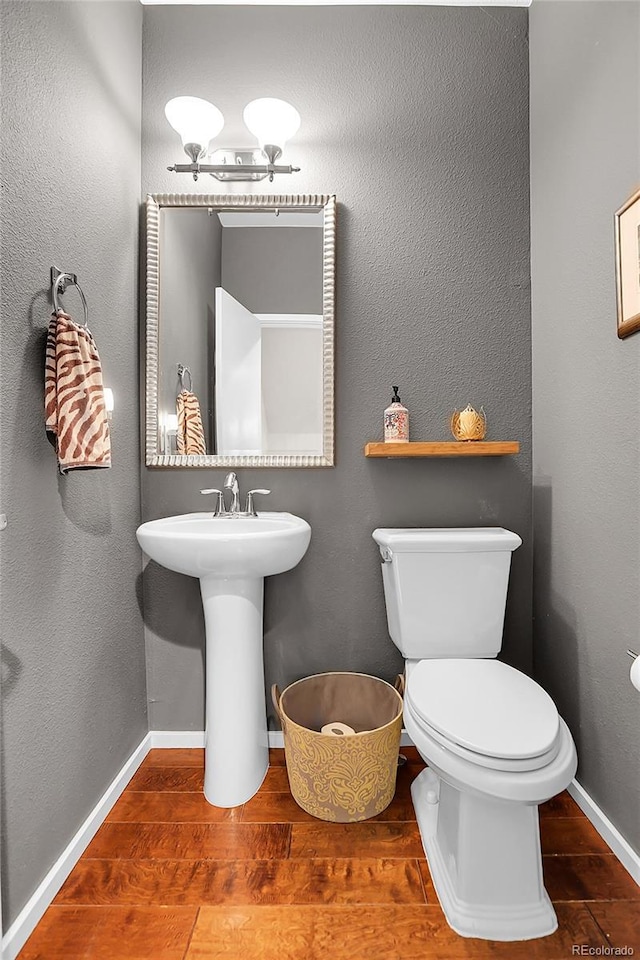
<point>166,739</point>
<point>623,850</point>
<point>33,911</point>
<point>195,738</point>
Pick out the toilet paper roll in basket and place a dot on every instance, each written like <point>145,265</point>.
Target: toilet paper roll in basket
<point>337,729</point>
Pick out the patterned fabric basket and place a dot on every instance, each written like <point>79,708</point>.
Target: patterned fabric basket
<point>341,778</point>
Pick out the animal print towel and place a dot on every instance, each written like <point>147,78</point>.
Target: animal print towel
<point>190,432</point>
<point>75,413</point>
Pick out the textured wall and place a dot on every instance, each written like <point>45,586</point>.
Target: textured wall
<point>417,119</point>
<point>73,682</point>
<point>585,158</point>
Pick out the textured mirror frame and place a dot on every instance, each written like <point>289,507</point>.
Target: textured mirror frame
<point>155,203</point>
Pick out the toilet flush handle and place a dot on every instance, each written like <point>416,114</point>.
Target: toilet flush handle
<point>386,554</point>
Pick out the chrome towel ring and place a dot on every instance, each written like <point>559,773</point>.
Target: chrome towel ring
<point>59,283</point>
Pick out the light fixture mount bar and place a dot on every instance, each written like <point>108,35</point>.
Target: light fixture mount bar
<point>222,170</point>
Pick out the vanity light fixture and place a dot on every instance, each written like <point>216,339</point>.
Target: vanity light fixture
<point>270,120</point>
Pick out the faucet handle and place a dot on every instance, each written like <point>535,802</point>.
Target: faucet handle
<point>219,508</point>
<point>249,507</point>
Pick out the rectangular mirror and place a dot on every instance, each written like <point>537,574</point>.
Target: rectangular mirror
<point>240,331</point>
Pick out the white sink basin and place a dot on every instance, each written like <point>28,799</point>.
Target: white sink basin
<point>231,556</point>
<point>201,545</point>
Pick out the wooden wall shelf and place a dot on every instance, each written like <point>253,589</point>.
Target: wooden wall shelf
<point>444,448</point>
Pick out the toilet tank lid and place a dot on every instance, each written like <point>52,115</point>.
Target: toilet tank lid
<point>446,539</point>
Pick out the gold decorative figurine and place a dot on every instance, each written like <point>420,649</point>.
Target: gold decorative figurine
<point>468,424</point>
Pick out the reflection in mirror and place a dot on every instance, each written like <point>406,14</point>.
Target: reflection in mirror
<point>240,331</point>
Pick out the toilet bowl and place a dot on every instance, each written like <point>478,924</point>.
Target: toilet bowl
<point>477,812</point>
<point>492,738</point>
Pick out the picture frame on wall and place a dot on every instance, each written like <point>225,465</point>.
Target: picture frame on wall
<point>627,234</point>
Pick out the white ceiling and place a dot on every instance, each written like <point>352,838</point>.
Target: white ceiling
<point>255,218</point>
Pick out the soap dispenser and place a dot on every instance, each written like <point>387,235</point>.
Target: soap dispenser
<point>396,421</point>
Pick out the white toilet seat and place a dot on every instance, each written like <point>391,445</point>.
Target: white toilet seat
<point>526,786</point>
<point>492,763</point>
<point>485,712</point>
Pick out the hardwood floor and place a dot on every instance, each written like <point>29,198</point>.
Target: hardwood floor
<point>168,877</point>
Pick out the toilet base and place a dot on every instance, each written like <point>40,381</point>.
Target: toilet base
<point>485,861</point>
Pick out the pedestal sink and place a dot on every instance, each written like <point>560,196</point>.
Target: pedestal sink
<point>231,556</point>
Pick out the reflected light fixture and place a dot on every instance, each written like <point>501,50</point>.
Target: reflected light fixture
<point>108,402</point>
<point>198,122</point>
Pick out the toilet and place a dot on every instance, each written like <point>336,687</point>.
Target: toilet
<point>492,738</point>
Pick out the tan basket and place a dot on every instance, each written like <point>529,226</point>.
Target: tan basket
<point>341,778</point>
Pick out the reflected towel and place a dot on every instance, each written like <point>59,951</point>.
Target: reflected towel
<point>75,413</point>
<point>190,432</point>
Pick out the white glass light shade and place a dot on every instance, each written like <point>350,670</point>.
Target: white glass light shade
<point>271,120</point>
<point>196,120</point>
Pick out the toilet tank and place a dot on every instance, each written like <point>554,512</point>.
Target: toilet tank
<point>446,589</point>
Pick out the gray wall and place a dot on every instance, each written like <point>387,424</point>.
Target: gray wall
<point>585,158</point>
<point>273,269</point>
<point>73,682</point>
<point>417,118</point>
<point>190,241</point>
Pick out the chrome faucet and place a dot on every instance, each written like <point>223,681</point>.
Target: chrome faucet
<point>231,483</point>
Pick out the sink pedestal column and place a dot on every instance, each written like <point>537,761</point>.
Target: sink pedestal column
<point>236,740</point>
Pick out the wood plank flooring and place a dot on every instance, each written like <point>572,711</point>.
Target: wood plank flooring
<point>169,877</point>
